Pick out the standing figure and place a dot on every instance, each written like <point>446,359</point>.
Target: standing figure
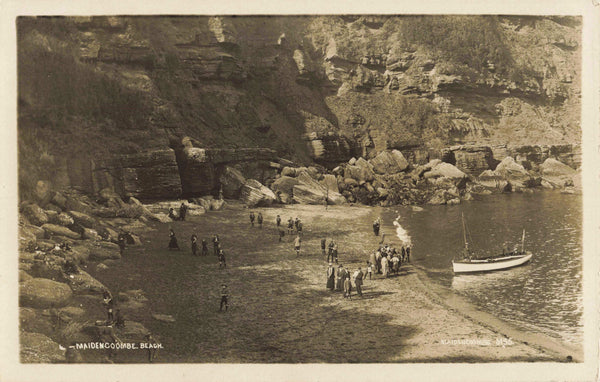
<point>252,219</point>
<point>408,253</point>
<point>395,263</point>
<point>385,266</point>
<point>339,279</point>
<point>204,247</point>
<point>378,261</point>
<point>281,235</point>
<point>299,228</point>
<point>335,252</point>
<point>278,221</point>
<point>222,262</point>
<point>152,347</point>
<point>216,243</point>
<point>182,211</point>
<point>297,242</point>
<point>330,253</point>
<point>369,270</point>
<point>330,277</point>
<point>290,225</point>
<point>121,243</point>
<point>259,219</point>
<point>172,214</point>
<point>347,287</point>
<point>194,240</point>
<point>172,240</point>
<point>376,226</point>
<point>358,279</point>
<point>323,246</point>
<point>224,298</point>
<point>296,222</point>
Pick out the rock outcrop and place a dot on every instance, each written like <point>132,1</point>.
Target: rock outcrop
<point>44,293</point>
<point>253,193</point>
<point>389,162</point>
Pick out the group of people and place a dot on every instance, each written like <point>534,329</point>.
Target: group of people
<point>182,212</point>
<point>339,280</point>
<point>387,259</point>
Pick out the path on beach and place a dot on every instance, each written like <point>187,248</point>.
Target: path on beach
<point>280,309</point>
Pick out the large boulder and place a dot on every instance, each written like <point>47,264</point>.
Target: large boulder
<point>514,173</point>
<point>38,348</point>
<point>35,214</point>
<point>27,237</point>
<point>102,250</point>
<point>307,195</point>
<point>445,170</point>
<point>288,171</point>
<point>44,293</point>
<point>57,230</point>
<point>389,162</point>
<point>62,219</point>
<point>253,193</point>
<point>285,184</point>
<point>489,179</point>
<point>553,168</point>
<point>330,183</point>
<point>231,181</point>
<point>83,283</point>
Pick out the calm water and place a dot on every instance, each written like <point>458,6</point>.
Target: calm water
<point>546,294</point>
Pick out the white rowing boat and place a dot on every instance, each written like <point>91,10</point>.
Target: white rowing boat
<point>468,264</point>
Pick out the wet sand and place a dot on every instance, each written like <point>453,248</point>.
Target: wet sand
<point>280,310</point>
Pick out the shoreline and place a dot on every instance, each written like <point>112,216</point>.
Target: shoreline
<point>426,316</point>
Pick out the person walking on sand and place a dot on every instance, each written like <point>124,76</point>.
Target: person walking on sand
<point>259,219</point>
<point>194,240</point>
<point>323,246</point>
<point>330,277</point>
<point>222,262</point>
<point>297,242</point>
<point>278,221</point>
<point>216,243</point>
<point>290,225</point>
<point>376,226</point>
<point>252,219</point>
<point>173,240</point>
<point>358,280</point>
<point>224,298</point>
<point>296,222</point>
<point>204,247</point>
<point>299,228</point>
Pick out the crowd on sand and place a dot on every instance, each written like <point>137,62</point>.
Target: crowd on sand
<point>385,260</point>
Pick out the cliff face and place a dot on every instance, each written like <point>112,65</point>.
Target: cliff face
<point>319,89</point>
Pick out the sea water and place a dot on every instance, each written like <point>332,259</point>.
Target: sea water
<point>544,295</point>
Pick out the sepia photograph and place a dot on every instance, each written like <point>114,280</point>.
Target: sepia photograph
<point>394,189</point>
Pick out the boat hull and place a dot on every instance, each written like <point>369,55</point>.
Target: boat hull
<point>489,266</point>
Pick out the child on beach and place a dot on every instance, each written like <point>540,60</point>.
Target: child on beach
<point>297,245</point>
<point>222,263</point>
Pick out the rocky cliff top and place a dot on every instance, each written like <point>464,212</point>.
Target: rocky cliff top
<point>106,85</point>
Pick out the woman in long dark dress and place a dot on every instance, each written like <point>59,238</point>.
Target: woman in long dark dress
<point>194,245</point>
<point>330,277</point>
<point>173,240</point>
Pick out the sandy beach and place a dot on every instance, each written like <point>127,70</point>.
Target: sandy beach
<point>280,310</point>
